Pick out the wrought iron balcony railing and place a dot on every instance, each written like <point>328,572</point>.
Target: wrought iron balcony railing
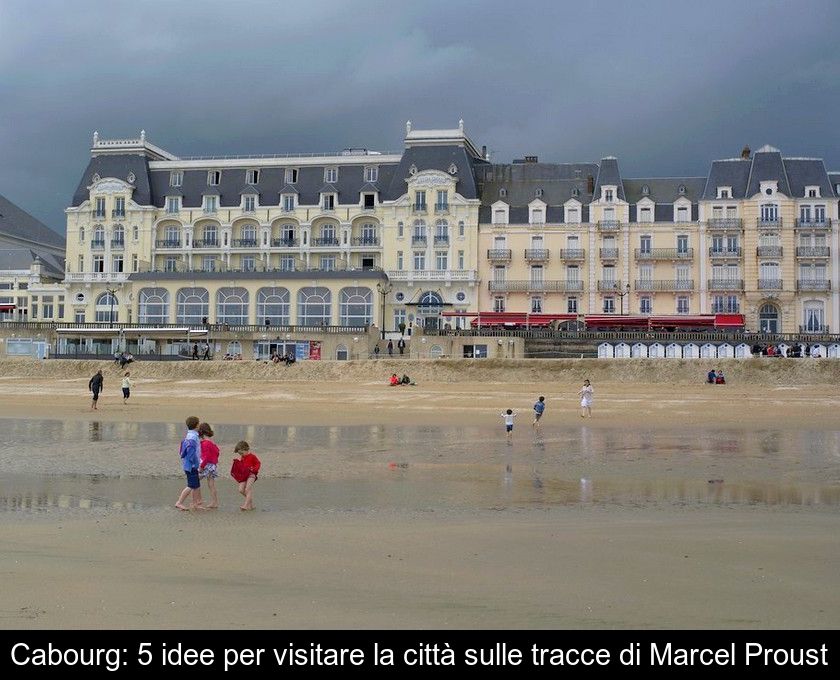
<point>664,285</point>
<point>724,252</point>
<point>813,284</point>
<point>664,254</point>
<point>813,251</point>
<point>726,284</point>
<point>499,254</point>
<point>536,254</point>
<point>769,251</point>
<point>770,284</point>
<point>609,253</point>
<point>572,254</point>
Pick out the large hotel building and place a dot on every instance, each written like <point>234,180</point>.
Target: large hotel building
<point>436,233</point>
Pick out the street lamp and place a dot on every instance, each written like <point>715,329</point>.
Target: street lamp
<point>621,297</point>
<point>383,291</point>
<point>113,296</point>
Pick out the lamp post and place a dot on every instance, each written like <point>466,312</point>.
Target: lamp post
<point>621,297</point>
<point>383,291</point>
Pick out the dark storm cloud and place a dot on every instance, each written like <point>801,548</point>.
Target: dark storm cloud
<point>665,86</point>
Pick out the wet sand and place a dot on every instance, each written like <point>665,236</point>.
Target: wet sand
<point>408,509</point>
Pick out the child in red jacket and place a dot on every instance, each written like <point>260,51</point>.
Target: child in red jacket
<point>248,469</point>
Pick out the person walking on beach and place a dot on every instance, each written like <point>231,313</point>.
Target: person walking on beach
<point>195,351</point>
<point>206,352</point>
<point>96,385</point>
<point>401,344</point>
<point>190,460</point>
<point>585,394</point>
<point>376,352</point>
<point>508,416</point>
<point>208,468</point>
<point>126,387</point>
<point>247,470</point>
<point>539,407</point>
<point>390,348</point>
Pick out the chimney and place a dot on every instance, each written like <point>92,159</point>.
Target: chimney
<point>484,151</point>
<point>590,184</point>
<point>745,153</point>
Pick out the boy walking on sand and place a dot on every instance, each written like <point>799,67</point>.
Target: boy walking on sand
<point>539,407</point>
<point>190,461</point>
<point>508,416</point>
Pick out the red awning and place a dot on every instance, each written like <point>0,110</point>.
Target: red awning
<point>7,308</point>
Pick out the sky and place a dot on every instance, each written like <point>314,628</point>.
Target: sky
<point>666,86</point>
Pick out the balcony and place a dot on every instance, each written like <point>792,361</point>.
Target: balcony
<point>813,224</point>
<point>117,244</point>
<point>96,277</point>
<point>813,251</point>
<point>535,286</point>
<point>118,214</point>
<point>572,254</point>
<point>244,243</point>
<point>442,208</point>
<point>769,251</point>
<point>726,284</point>
<point>664,285</point>
<point>769,223</point>
<point>97,245</point>
<point>610,286</point>
<point>206,243</point>
<point>813,284</point>
<point>499,254</point>
<point>536,254</point>
<point>770,284</point>
<point>664,254</point>
<point>288,208</point>
<point>326,241</point>
<point>284,243</point>
<point>824,330</point>
<point>441,240</point>
<point>433,275</point>
<point>726,309</point>
<point>97,214</point>
<point>609,225</point>
<point>724,253</point>
<point>365,241</point>
<point>209,210</point>
<point>168,243</point>
<point>419,240</point>
<point>419,209</point>
<point>609,253</point>
<point>724,223</point>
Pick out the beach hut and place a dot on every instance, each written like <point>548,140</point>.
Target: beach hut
<point>656,350</point>
<point>708,351</point>
<point>834,351</point>
<point>742,351</point>
<point>673,351</point>
<point>622,351</point>
<point>605,351</point>
<point>691,351</point>
<point>725,351</point>
<point>818,350</point>
<point>639,351</point>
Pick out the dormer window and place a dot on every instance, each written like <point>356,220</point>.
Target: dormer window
<point>176,178</point>
<point>608,195</point>
<point>328,201</point>
<point>371,173</point>
<point>211,204</point>
<point>249,203</point>
<point>537,216</point>
<point>330,175</point>
<point>769,188</point>
<point>645,190</point>
<point>173,204</point>
<point>252,177</point>
<point>502,193</point>
<point>368,201</point>
<point>291,175</point>
<point>812,192</point>
<point>682,189</point>
<point>724,192</point>
<point>288,202</point>
<point>645,215</point>
<point>213,178</point>
<point>538,193</point>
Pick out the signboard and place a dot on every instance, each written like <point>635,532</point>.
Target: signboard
<point>315,350</point>
<point>302,350</point>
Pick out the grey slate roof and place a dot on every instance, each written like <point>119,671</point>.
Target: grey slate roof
<point>119,166</point>
<point>664,189</point>
<point>609,175</point>
<point>19,224</point>
<point>733,172</point>
<point>802,172</point>
<point>22,258</point>
<point>438,157</point>
<point>521,181</point>
<point>768,166</point>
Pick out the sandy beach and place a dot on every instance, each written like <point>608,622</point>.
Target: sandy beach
<point>677,505</point>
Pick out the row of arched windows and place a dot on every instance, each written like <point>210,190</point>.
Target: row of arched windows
<point>314,306</point>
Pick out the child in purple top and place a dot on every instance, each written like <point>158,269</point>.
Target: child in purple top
<point>190,460</point>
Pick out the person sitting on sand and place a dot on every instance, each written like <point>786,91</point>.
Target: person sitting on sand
<point>406,380</point>
<point>710,378</point>
<point>394,381</point>
<point>720,379</point>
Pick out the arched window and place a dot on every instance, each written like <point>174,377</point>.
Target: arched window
<point>768,319</point>
<point>273,306</point>
<point>419,229</point>
<point>81,234</point>
<point>154,305</point>
<point>435,351</point>
<point>442,231</point>
<point>99,235</point>
<point>249,235</point>
<point>314,306</point>
<point>193,306</point>
<point>119,234</point>
<point>172,235</point>
<point>106,308</point>
<point>210,235</point>
<point>232,306</point>
<point>814,316</point>
<point>430,302</point>
<point>355,306</point>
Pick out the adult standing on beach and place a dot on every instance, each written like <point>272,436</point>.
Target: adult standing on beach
<point>95,385</point>
<point>585,394</point>
<point>390,348</point>
<point>401,344</point>
<point>126,387</point>
<point>195,351</point>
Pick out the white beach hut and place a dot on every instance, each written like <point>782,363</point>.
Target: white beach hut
<point>639,351</point>
<point>818,350</point>
<point>725,351</point>
<point>606,351</point>
<point>690,351</point>
<point>834,351</point>
<point>656,350</point>
<point>742,351</point>
<point>708,351</point>
<point>673,351</point>
<point>622,351</point>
